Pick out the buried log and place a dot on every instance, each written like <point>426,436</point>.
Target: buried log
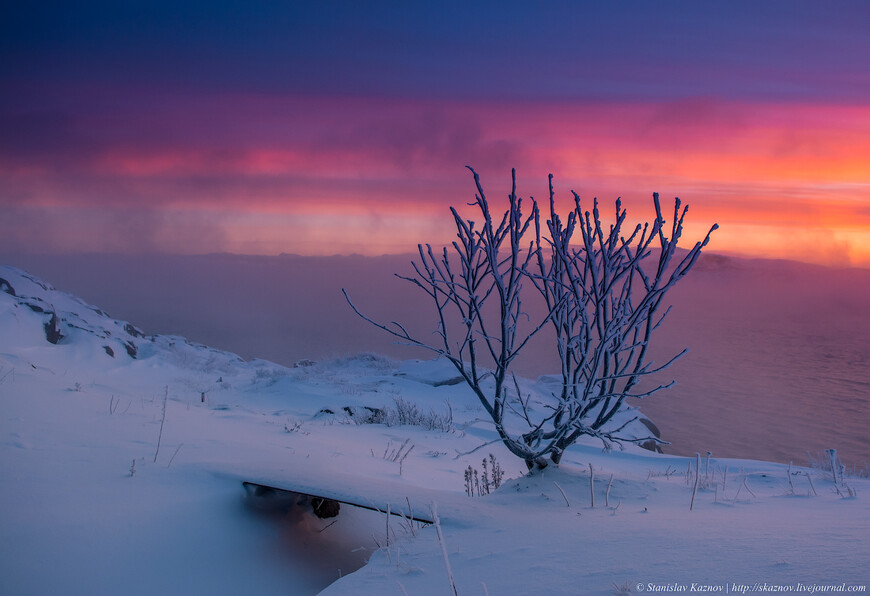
<point>324,505</point>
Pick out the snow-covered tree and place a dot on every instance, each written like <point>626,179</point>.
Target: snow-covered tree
<point>604,296</point>
<point>601,296</point>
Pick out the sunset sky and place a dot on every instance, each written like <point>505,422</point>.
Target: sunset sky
<point>344,127</point>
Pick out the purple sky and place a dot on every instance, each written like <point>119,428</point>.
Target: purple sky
<point>339,127</point>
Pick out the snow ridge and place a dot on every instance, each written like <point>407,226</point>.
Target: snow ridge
<point>41,313</point>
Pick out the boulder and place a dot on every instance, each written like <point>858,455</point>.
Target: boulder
<point>324,508</point>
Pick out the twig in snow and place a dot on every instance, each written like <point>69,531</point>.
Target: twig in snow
<point>697,477</point>
<point>592,485</point>
<point>563,493</point>
<point>326,526</point>
<point>478,448</point>
<point>409,520</point>
<point>443,549</point>
<point>388,526</point>
<point>747,488</point>
<point>177,449</point>
<point>607,492</point>
<point>743,485</point>
<point>836,466</point>
<point>162,420</point>
<point>811,483</point>
<point>408,524</point>
<point>398,455</point>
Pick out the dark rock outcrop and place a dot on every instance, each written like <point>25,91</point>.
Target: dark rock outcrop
<point>5,286</point>
<point>651,445</point>
<point>365,414</point>
<point>135,332</point>
<point>52,329</point>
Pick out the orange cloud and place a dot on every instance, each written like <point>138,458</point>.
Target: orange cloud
<point>321,176</point>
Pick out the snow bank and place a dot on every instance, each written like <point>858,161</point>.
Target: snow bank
<point>91,505</point>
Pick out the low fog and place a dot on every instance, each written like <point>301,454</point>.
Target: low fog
<point>779,361</point>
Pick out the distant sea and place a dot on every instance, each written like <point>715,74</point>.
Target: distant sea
<point>778,368</point>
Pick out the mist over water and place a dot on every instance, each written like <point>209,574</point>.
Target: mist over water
<point>779,361</point>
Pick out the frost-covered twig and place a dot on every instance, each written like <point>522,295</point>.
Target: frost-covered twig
<point>810,480</point>
<point>592,486</point>
<point>398,455</point>
<point>697,477</point>
<point>747,488</point>
<point>478,448</point>
<point>437,523</point>
<point>742,486</point>
<point>388,516</point>
<point>607,492</point>
<point>177,449</point>
<point>564,496</point>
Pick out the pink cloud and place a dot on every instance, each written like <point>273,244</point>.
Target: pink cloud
<point>783,166</point>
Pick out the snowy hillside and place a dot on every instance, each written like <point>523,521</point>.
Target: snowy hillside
<point>123,457</point>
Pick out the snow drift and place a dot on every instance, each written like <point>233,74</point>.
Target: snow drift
<point>123,474</point>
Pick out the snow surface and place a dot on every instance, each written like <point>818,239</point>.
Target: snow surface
<point>90,505</point>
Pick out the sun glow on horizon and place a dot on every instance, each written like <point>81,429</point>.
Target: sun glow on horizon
<point>782,181</point>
